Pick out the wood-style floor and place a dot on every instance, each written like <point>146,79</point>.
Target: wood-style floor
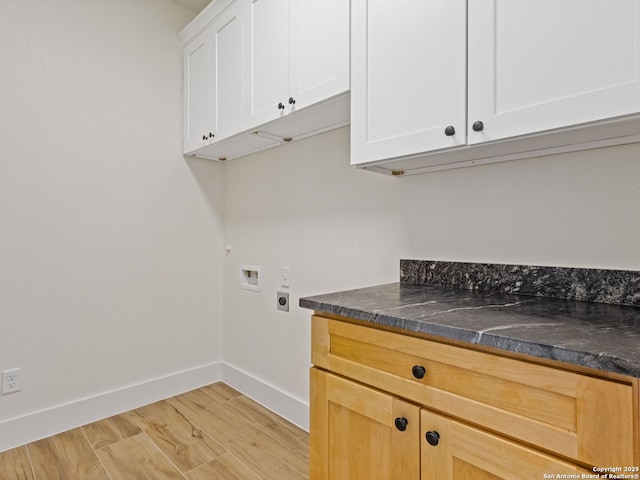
<point>213,433</point>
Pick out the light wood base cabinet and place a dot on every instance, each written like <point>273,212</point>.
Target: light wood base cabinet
<point>354,432</point>
<point>385,405</point>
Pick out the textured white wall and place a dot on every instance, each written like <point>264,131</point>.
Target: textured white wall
<point>110,242</point>
<point>337,228</point>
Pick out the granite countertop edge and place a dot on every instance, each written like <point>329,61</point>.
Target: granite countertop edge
<point>521,324</point>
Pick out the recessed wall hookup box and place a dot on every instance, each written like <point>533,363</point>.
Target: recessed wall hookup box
<point>250,278</point>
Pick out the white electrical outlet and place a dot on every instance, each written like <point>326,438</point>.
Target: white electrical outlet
<point>11,380</point>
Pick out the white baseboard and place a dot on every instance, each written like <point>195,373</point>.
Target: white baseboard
<point>35,426</point>
<point>284,404</point>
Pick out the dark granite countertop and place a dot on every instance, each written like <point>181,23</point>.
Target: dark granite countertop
<point>597,335</point>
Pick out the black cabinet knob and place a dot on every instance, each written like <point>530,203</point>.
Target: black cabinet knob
<point>204,137</point>
<point>477,126</point>
<point>291,101</point>
<point>211,135</point>
<point>433,438</point>
<point>418,371</point>
<point>281,106</point>
<point>450,131</point>
<point>401,423</point>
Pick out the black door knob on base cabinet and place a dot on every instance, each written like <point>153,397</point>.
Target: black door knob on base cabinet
<point>292,101</point>
<point>418,371</point>
<point>450,131</point>
<point>401,423</point>
<point>211,135</point>
<point>281,106</point>
<point>204,137</point>
<point>477,126</point>
<point>433,438</point>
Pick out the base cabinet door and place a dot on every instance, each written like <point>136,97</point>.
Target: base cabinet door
<point>359,433</point>
<point>451,450</point>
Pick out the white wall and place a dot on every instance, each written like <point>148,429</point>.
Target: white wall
<point>303,206</point>
<point>110,242</point>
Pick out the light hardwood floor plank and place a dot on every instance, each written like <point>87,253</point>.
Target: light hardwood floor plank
<point>285,432</point>
<point>65,456</point>
<point>211,433</point>
<point>15,465</point>
<point>137,458</point>
<point>261,452</point>
<point>110,430</point>
<point>186,445</point>
<point>225,467</point>
<point>221,392</point>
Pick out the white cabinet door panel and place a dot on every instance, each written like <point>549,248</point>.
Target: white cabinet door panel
<point>408,69</point>
<point>197,77</point>
<point>267,59</point>
<point>227,72</point>
<point>319,50</point>
<point>536,66</point>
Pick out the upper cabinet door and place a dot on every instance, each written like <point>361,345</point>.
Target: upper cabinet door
<point>408,77</point>
<point>545,64</point>
<point>226,75</point>
<point>266,36</point>
<point>319,50</point>
<point>197,99</point>
<point>297,55</point>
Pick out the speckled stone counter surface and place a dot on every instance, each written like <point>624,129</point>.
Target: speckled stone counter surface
<point>620,287</point>
<point>596,335</point>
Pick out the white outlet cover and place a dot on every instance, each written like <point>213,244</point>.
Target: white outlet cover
<point>11,381</point>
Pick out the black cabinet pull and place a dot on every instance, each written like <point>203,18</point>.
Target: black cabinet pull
<point>281,106</point>
<point>211,135</point>
<point>401,423</point>
<point>418,371</point>
<point>433,438</point>
<point>292,101</point>
<point>477,126</point>
<point>450,131</point>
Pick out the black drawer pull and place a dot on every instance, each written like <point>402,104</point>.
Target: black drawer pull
<point>418,371</point>
<point>433,438</point>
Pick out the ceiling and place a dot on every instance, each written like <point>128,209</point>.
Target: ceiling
<point>195,6</point>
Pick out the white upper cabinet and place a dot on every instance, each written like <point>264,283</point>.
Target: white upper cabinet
<point>297,55</point>
<point>319,50</point>
<point>259,73</point>
<point>197,91</point>
<point>408,77</point>
<point>226,81</point>
<point>546,64</point>
<point>514,78</point>
<point>266,34</point>
<point>213,81</point>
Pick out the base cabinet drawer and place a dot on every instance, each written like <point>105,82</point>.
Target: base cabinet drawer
<point>583,419</point>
